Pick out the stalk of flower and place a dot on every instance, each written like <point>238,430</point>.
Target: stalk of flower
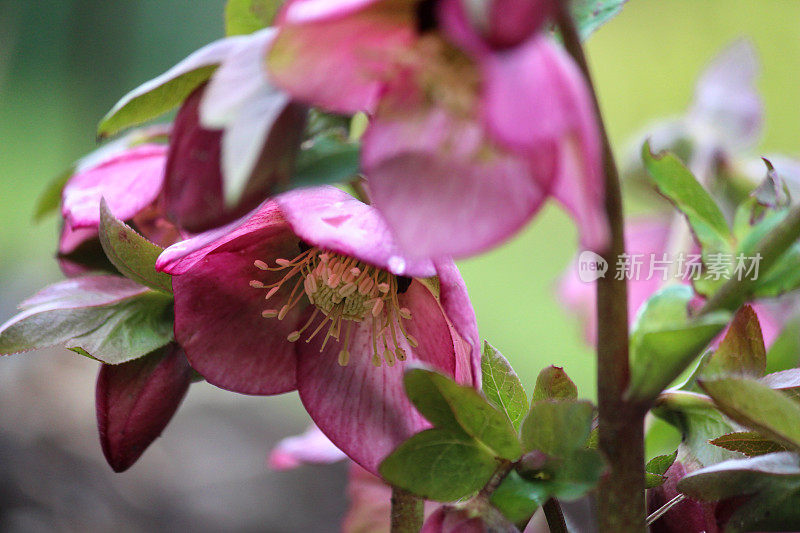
<point>464,106</point>
<point>311,293</point>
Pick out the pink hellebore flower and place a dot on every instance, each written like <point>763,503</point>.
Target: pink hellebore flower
<point>311,293</point>
<point>129,174</point>
<point>477,117</point>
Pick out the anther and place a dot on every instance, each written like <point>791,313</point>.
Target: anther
<point>377,307</point>
<point>412,341</point>
<point>383,287</point>
<point>293,336</point>
<point>405,313</point>
<point>283,262</point>
<point>344,357</point>
<point>256,284</point>
<point>388,356</point>
<point>282,312</point>
<point>271,292</point>
<point>261,265</point>
<point>269,313</point>
<point>401,354</point>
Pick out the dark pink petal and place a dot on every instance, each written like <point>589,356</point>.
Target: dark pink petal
<point>443,187</point>
<point>458,309</point>
<point>312,447</point>
<point>129,182</point>
<point>361,407</point>
<point>534,95</point>
<point>496,24</point>
<point>689,515</point>
<point>333,220</point>
<point>337,54</point>
<point>136,400</point>
<point>218,315</point>
<point>263,224</point>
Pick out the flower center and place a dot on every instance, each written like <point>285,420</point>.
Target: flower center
<point>343,291</point>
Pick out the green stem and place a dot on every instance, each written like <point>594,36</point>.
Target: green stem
<point>621,505</point>
<point>406,512</point>
<point>554,516</point>
<point>735,292</point>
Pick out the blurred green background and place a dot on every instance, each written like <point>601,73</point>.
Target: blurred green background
<point>63,64</point>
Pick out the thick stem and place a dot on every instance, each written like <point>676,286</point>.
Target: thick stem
<point>554,516</point>
<point>406,512</point>
<point>621,504</point>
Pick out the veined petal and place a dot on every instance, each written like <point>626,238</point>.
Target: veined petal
<point>444,188</point>
<point>129,182</point>
<point>265,223</point>
<point>333,220</point>
<point>312,447</point>
<point>361,407</point>
<point>533,96</point>
<point>458,309</point>
<point>336,55</point>
<point>136,400</point>
<point>218,318</point>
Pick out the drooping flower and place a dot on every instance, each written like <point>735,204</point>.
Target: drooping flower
<point>475,120</point>
<point>688,515</point>
<point>311,293</point>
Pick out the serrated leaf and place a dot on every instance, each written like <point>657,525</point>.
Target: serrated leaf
<point>247,16</point>
<point>677,183</point>
<point>757,406</point>
<point>742,351</point>
<point>168,90</point>
<point>135,328</point>
<point>439,464</point>
<point>656,468</point>
<point>133,255</point>
<point>661,463</point>
<point>557,427</point>
<point>553,383</point>
<point>325,159</point>
<point>65,310</point>
<point>502,386</point>
<point>459,408</point>
<point>748,443</point>
<point>591,14</point>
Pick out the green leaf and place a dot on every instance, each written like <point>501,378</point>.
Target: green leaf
<point>65,310</point>
<point>135,328</point>
<point>773,479</point>
<point>554,384</point>
<point>677,183</point>
<point>439,464</point>
<point>518,498</point>
<point>567,477</point>
<point>328,158</point>
<point>133,255</point>
<point>748,443</point>
<point>742,352</point>
<point>50,199</point>
<point>168,90</point>
<point>665,341</point>
<point>656,468</point>
<point>591,14</point>
<point>758,407</point>
<point>736,477</point>
<point>502,386</point>
<point>698,420</point>
<point>557,427</point>
<point>458,408</point>
<point>247,16</point>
